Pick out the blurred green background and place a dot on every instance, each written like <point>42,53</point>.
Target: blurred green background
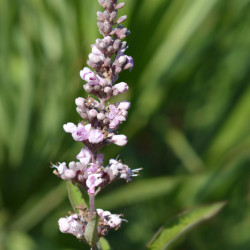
<point>188,126</point>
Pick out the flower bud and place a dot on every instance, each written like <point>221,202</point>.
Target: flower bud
<point>79,101</point>
<point>93,113</point>
<point>121,19</point>
<point>100,116</point>
<point>107,90</point>
<point>85,156</point>
<point>95,136</point>
<point>64,226</point>
<point>124,105</point>
<point>119,140</point>
<point>120,88</point>
<point>69,127</point>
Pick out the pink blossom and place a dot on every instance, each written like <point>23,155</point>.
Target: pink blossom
<point>69,127</point>
<point>64,172</point>
<point>95,136</point>
<point>120,88</point>
<point>124,105</point>
<point>72,225</point>
<point>85,156</point>
<point>113,220</point>
<point>93,169</point>
<point>93,181</point>
<point>89,76</point>
<point>113,112</point>
<point>81,133</point>
<point>79,101</point>
<point>114,123</point>
<point>130,61</point>
<point>119,140</point>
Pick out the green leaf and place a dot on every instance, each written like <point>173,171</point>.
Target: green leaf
<point>91,234</point>
<point>181,224</point>
<point>104,244</point>
<point>75,196</point>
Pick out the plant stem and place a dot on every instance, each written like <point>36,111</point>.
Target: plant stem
<point>91,204</point>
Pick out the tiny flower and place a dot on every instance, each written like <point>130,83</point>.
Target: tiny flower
<point>69,127</point>
<point>64,225</point>
<point>114,123</point>
<point>72,225</point>
<point>79,101</point>
<point>120,88</point>
<point>81,133</point>
<point>93,113</point>
<point>119,140</point>
<point>130,63</point>
<point>70,174</point>
<point>113,220</point>
<point>95,136</point>
<point>93,181</point>
<point>113,112</point>
<point>85,156</point>
<point>93,169</point>
<point>89,76</point>
<point>124,105</point>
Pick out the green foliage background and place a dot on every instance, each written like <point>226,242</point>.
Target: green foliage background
<point>188,126</point>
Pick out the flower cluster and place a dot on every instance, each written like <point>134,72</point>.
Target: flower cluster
<point>89,175</point>
<point>76,223</point>
<point>100,124</point>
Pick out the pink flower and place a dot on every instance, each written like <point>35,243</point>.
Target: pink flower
<point>114,123</point>
<point>95,136</point>
<point>113,112</point>
<point>93,181</point>
<point>89,76</point>
<point>72,225</point>
<point>113,220</point>
<point>85,156</point>
<point>124,105</point>
<point>64,172</point>
<point>119,140</point>
<point>69,127</point>
<point>79,101</point>
<point>81,133</point>
<point>93,169</point>
<point>120,88</point>
<point>130,61</point>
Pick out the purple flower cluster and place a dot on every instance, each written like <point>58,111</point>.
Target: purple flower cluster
<point>91,175</point>
<point>76,223</point>
<point>100,123</point>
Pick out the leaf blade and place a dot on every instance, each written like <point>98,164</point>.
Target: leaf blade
<point>91,233</point>
<point>181,224</point>
<point>75,196</point>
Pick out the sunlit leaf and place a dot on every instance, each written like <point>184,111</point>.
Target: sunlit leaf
<point>75,196</point>
<point>91,234</point>
<point>181,224</point>
<point>104,244</point>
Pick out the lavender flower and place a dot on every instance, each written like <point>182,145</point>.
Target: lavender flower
<point>100,125</point>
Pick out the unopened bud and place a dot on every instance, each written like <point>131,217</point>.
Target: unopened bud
<point>100,116</point>
<point>120,5</point>
<point>88,88</point>
<point>79,101</point>
<point>93,113</point>
<point>121,19</point>
<point>122,60</point>
<point>107,90</point>
<point>97,87</point>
